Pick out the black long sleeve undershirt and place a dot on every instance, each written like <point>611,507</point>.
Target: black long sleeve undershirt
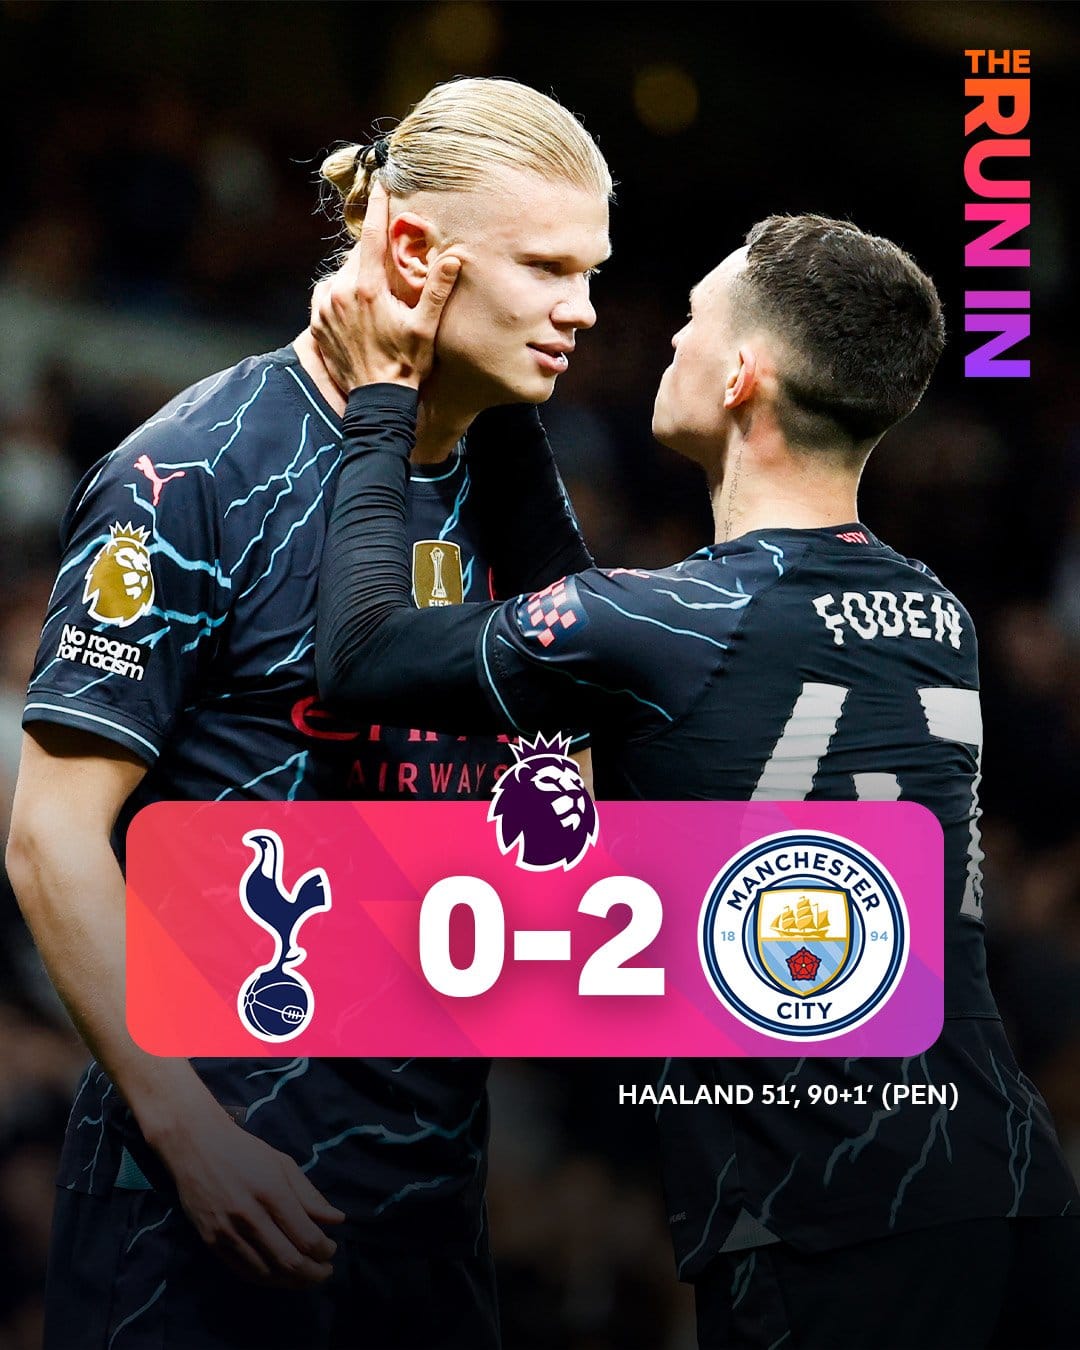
<point>529,529</point>
<point>373,648</point>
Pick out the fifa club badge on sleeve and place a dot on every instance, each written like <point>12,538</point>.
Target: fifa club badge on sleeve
<point>539,923</point>
<point>438,578</point>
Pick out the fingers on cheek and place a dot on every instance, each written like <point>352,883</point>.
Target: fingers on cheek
<point>330,310</point>
<point>341,304</point>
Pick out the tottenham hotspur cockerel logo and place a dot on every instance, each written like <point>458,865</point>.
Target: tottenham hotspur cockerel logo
<point>275,1002</point>
<point>542,807</point>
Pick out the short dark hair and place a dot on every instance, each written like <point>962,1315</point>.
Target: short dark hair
<point>861,321</point>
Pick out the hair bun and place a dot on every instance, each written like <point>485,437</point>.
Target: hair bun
<point>371,156</point>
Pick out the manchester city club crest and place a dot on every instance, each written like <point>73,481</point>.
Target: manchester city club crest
<point>803,935</point>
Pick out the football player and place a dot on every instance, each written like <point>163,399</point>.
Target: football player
<point>795,656</point>
<point>177,661</point>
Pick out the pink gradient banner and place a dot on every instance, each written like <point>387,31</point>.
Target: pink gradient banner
<point>516,953</point>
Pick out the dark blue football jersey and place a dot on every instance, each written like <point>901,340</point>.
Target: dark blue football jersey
<point>790,665</point>
<point>182,626</point>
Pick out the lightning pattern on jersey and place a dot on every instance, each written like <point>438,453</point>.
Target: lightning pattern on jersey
<point>233,482</point>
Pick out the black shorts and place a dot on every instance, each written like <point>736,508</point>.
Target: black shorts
<point>983,1284</point>
<point>127,1271</point>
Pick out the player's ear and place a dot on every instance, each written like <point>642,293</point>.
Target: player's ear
<point>412,241</point>
<point>742,377</point>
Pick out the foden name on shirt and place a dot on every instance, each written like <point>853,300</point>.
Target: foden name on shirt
<point>890,614</point>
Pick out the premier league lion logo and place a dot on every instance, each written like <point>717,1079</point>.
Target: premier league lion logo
<point>542,806</point>
<point>119,584</point>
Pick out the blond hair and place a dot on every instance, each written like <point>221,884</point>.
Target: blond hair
<point>454,137</point>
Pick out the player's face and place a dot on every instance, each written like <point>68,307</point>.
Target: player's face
<point>508,329</point>
<point>689,413</point>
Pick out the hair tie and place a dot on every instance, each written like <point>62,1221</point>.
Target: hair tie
<point>379,152</point>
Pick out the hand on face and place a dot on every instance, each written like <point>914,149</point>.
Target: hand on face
<point>365,334</point>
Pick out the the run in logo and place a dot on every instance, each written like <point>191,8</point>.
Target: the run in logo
<point>274,1002</point>
<point>542,807</point>
<point>803,935</point>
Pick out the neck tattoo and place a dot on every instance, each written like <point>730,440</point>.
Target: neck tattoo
<point>731,493</point>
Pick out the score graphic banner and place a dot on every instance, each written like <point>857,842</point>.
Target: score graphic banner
<point>400,929</point>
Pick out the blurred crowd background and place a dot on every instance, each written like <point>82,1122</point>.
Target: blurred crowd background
<point>159,221</point>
